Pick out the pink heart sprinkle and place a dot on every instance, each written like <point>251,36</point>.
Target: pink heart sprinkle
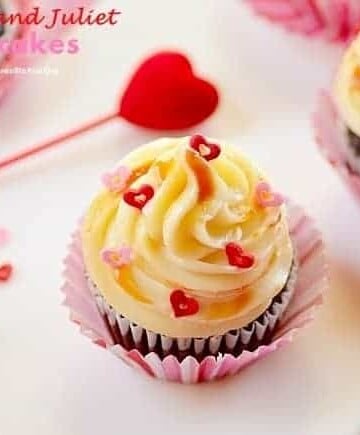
<point>116,181</point>
<point>4,236</point>
<point>265,197</point>
<point>117,258</point>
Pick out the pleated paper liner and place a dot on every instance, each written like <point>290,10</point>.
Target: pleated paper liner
<point>332,20</point>
<point>132,336</point>
<point>311,282</point>
<point>330,138</point>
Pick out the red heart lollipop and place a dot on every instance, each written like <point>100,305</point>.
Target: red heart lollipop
<point>163,94</point>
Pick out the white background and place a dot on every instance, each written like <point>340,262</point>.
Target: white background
<point>52,379</point>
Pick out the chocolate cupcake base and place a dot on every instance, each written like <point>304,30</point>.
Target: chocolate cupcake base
<point>259,332</point>
<point>352,151</point>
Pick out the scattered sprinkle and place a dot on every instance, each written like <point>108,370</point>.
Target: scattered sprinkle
<point>6,271</point>
<point>116,181</point>
<point>138,198</point>
<point>265,197</point>
<point>208,151</point>
<point>183,305</point>
<point>117,258</point>
<point>238,257</point>
<point>4,236</point>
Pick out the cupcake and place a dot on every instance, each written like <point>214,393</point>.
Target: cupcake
<point>347,101</point>
<point>189,267</point>
<point>337,120</point>
<point>334,20</point>
<point>187,251</point>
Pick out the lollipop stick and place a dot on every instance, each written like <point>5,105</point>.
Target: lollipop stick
<point>8,161</point>
<point>164,94</point>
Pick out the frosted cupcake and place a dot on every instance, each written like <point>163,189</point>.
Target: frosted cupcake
<point>187,251</point>
<point>347,99</point>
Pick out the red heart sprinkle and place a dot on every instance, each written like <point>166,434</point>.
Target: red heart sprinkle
<point>6,271</point>
<point>138,198</point>
<point>165,94</point>
<point>238,257</point>
<point>208,151</point>
<point>183,305</point>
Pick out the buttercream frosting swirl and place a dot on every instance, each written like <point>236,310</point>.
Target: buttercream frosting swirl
<point>179,238</point>
<point>347,87</point>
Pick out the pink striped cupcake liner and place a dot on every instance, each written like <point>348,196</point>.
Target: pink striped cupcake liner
<point>134,336</point>
<point>311,283</point>
<point>333,20</point>
<point>330,139</point>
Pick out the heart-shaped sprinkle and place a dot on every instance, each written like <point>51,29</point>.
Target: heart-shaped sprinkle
<point>6,271</point>
<point>183,305</point>
<point>238,257</point>
<point>265,197</point>
<point>138,198</point>
<point>117,258</point>
<point>116,181</point>
<point>4,236</point>
<point>208,151</point>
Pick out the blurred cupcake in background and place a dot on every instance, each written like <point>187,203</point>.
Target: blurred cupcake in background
<point>333,20</point>
<point>8,33</point>
<point>337,120</point>
<point>188,255</point>
<point>347,99</point>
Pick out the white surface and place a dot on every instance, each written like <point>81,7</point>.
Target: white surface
<point>52,379</point>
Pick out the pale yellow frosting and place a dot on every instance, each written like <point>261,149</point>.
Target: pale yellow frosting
<point>347,87</point>
<point>178,241</point>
